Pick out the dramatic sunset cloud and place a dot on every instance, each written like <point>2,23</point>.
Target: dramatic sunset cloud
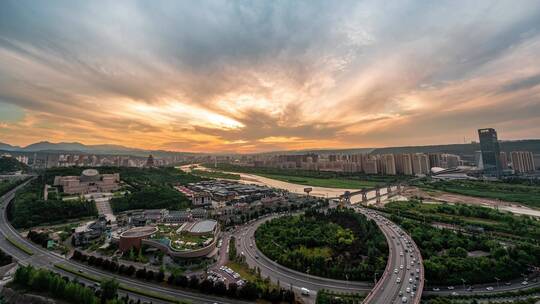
<point>266,75</point>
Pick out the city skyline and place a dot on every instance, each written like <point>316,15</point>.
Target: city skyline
<point>254,77</point>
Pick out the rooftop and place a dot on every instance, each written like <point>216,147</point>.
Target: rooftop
<point>205,226</point>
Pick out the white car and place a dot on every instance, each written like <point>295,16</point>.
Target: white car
<point>304,291</point>
<point>398,280</point>
<point>400,266</point>
<point>524,283</point>
<point>395,270</point>
<point>408,289</point>
<point>489,288</point>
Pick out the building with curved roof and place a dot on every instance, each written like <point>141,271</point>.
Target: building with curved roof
<point>133,237</point>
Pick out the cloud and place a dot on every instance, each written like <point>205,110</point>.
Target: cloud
<point>255,76</point>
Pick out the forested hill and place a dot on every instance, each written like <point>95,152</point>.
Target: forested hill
<point>532,145</point>
<point>10,164</point>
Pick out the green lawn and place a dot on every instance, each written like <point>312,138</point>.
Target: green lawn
<point>511,192</point>
<point>323,182</point>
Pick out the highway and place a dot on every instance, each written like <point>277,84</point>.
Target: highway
<point>45,259</point>
<point>403,278</point>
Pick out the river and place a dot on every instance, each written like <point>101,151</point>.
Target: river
<point>336,192</point>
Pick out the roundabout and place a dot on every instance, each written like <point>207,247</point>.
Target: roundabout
<point>385,290</point>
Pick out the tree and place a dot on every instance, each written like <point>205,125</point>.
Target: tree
<point>130,270</point>
<point>141,273</point>
<point>232,290</point>
<point>206,286</point>
<point>181,281</point>
<point>193,282</point>
<point>249,291</point>
<point>149,275</point>
<point>160,276</point>
<point>109,290</point>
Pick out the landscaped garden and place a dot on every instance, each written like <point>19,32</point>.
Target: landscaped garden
<point>181,240</point>
<point>339,244</point>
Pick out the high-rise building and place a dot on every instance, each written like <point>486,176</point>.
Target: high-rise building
<point>522,161</point>
<point>452,160</point>
<point>503,160</point>
<point>407,164</point>
<point>435,159</point>
<point>389,164</point>
<point>489,144</point>
<point>420,163</point>
<point>370,166</point>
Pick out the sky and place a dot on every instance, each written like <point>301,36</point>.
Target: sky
<point>250,76</point>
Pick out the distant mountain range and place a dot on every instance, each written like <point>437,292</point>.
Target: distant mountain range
<point>45,146</point>
<point>532,145</point>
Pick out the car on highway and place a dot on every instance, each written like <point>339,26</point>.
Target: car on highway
<point>489,288</point>
<point>400,266</point>
<point>455,293</point>
<point>398,280</point>
<point>395,270</point>
<point>404,300</point>
<point>524,283</point>
<point>408,290</point>
<point>508,283</point>
<point>436,289</point>
<point>451,288</point>
<point>304,291</point>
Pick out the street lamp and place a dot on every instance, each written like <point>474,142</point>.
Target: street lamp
<point>497,279</point>
<point>463,280</point>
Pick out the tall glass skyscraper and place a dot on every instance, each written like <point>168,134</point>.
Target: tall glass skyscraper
<point>489,144</point>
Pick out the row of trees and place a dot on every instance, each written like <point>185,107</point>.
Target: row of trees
<point>339,244</point>
<point>42,280</point>
<point>248,291</point>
